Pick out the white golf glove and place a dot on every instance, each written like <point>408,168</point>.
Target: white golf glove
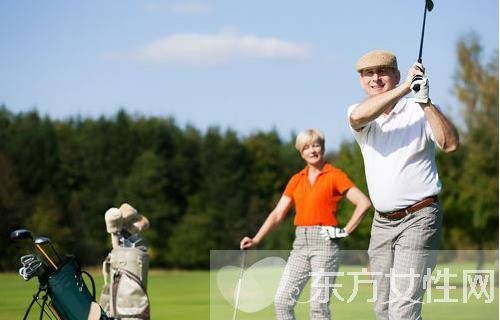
<point>332,233</point>
<point>420,87</point>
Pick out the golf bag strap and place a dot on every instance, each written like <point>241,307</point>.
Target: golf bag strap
<point>81,272</point>
<point>92,281</point>
<point>106,266</point>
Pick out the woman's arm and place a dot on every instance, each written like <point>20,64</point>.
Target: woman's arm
<point>273,220</point>
<point>362,203</point>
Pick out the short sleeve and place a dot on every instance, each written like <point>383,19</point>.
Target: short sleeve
<point>428,129</point>
<point>358,135</point>
<point>342,182</point>
<point>291,185</point>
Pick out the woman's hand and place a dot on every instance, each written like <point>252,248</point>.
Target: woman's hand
<point>247,243</point>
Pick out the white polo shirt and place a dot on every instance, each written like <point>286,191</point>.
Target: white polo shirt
<point>399,154</point>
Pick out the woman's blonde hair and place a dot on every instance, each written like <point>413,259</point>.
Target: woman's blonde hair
<point>309,136</point>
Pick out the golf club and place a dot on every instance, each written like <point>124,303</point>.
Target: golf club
<point>429,5</point>
<point>238,285</point>
<point>32,266</point>
<point>54,259</point>
<point>23,234</point>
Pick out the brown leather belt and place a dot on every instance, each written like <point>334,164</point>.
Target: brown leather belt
<point>398,214</point>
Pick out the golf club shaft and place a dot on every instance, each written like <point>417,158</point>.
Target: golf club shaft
<point>422,36</point>
<point>54,311</point>
<point>238,286</point>
<point>39,247</point>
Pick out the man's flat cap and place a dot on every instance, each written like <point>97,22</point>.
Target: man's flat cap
<point>377,58</point>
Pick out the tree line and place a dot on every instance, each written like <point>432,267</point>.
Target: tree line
<point>205,190</point>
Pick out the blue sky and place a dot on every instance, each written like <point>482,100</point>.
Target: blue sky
<point>247,65</point>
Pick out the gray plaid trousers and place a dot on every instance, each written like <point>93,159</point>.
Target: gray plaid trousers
<point>311,254</point>
<point>407,246</point>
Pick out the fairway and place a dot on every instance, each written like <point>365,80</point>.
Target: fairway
<point>183,295</point>
<point>359,308</point>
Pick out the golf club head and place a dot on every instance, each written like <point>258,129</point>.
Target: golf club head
<point>429,5</point>
<point>21,234</point>
<point>44,246</point>
<point>32,266</point>
<point>42,240</point>
<point>28,258</point>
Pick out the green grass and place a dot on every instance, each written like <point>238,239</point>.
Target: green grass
<point>181,295</point>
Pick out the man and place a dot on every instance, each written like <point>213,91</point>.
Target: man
<point>397,136</point>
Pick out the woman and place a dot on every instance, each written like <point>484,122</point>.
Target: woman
<point>315,191</point>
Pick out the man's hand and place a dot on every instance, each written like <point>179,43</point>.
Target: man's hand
<point>333,233</point>
<point>417,69</point>
<point>420,88</point>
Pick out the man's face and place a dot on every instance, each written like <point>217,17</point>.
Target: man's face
<point>377,80</point>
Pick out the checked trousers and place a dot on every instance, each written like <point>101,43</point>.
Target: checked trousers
<point>311,257</point>
<point>407,248</point>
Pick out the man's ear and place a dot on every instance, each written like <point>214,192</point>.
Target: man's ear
<point>360,79</point>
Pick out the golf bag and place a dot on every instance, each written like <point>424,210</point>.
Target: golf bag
<point>124,295</point>
<point>61,288</point>
<point>69,294</point>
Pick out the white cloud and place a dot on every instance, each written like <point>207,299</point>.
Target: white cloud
<point>182,8</point>
<point>223,47</point>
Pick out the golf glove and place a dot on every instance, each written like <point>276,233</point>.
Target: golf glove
<point>332,233</point>
<point>420,87</point>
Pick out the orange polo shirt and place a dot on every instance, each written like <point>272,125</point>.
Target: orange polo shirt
<point>317,204</point>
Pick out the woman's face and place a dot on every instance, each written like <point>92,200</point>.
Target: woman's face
<point>312,153</point>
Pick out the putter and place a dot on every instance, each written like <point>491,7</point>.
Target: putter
<point>238,286</point>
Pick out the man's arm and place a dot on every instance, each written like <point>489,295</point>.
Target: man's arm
<point>444,131</point>
<point>374,106</point>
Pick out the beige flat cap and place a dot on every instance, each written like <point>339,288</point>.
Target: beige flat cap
<point>377,58</point>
